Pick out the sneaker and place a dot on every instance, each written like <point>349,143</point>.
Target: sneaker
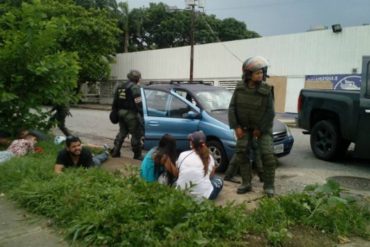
<point>106,147</point>
<point>270,192</point>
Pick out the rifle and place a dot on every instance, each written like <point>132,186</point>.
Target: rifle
<point>251,148</point>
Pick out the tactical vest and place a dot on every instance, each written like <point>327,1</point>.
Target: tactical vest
<point>124,97</point>
<point>251,104</point>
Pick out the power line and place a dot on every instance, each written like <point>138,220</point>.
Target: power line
<point>220,42</point>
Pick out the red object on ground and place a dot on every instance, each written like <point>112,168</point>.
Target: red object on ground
<point>39,150</point>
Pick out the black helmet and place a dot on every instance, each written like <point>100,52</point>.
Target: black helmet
<point>134,75</point>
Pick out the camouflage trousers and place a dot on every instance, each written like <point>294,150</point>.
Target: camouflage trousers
<point>128,124</point>
<point>264,157</point>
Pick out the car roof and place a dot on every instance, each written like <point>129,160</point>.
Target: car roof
<point>189,86</point>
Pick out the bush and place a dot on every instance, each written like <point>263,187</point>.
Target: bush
<point>100,208</point>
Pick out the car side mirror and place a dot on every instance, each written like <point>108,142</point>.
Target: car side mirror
<point>192,115</point>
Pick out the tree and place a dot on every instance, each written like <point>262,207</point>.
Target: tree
<point>33,68</point>
<point>46,48</point>
<point>122,13</point>
<point>160,27</point>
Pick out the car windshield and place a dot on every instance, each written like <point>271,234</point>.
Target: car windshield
<point>215,100</point>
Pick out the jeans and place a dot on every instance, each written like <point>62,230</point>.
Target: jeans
<point>100,158</point>
<point>217,184</point>
<point>5,156</point>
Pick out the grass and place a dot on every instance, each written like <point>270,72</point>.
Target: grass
<point>97,208</point>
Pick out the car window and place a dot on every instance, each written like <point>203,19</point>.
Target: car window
<point>186,95</point>
<point>215,100</point>
<point>178,108</point>
<point>156,102</point>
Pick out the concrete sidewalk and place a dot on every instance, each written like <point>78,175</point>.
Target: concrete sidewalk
<point>18,228</point>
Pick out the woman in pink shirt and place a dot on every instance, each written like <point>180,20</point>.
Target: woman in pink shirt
<point>19,147</point>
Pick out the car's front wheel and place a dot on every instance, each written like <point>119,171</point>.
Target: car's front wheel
<point>218,153</point>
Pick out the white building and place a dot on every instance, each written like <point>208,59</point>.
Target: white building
<point>293,59</point>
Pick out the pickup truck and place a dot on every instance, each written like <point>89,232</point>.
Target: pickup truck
<point>335,118</point>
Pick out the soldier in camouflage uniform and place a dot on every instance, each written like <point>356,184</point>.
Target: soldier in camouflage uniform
<point>60,115</point>
<point>251,115</point>
<point>127,101</point>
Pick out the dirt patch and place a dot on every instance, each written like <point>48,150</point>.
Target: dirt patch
<point>300,236</point>
<point>303,236</point>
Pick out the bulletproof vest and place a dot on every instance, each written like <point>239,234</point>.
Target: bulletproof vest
<point>125,99</point>
<point>251,104</point>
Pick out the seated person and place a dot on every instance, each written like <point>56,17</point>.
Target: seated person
<point>197,169</point>
<point>160,160</point>
<point>74,155</point>
<point>19,147</point>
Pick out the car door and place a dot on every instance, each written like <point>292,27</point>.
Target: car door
<point>363,130</point>
<point>166,112</point>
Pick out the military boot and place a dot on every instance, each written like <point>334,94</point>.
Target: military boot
<point>116,151</point>
<point>269,164</point>
<point>137,154</point>
<point>246,174</point>
<point>232,171</point>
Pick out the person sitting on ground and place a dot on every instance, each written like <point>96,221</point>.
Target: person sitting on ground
<point>19,147</point>
<point>74,155</point>
<point>197,169</point>
<point>160,160</point>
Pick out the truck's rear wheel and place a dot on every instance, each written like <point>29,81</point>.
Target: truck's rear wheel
<point>325,140</point>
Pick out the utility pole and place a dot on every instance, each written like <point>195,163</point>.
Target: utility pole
<point>191,4</point>
<point>192,43</point>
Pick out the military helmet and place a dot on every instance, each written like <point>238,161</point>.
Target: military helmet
<point>134,75</point>
<point>253,64</point>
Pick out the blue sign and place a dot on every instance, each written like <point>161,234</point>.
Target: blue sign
<point>340,82</point>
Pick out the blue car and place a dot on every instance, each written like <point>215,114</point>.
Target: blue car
<point>181,108</point>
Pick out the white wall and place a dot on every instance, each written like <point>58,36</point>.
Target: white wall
<point>293,55</point>
<point>294,86</point>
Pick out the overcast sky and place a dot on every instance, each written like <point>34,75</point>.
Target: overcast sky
<point>275,17</point>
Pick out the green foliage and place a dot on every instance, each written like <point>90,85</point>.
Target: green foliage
<point>45,48</point>
<point>321,207</point>
<point>160,27</point>
<point>100,208</point>
<point>104,209</point>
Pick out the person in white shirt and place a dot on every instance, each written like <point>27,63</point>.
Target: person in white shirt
<point>197,169</point>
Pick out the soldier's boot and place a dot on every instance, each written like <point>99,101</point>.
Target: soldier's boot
<point>246,174</point>
<point>64,129</point>
<point>137,154</point>
<point>269,165</point>
<point>116,150</point>
<point>231,172</point>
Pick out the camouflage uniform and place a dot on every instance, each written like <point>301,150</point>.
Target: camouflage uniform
<point>61,112</point>
<point>251,109</point>
<point>127,101</point>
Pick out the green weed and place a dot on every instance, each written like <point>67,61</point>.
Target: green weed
<point>98,208</point>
